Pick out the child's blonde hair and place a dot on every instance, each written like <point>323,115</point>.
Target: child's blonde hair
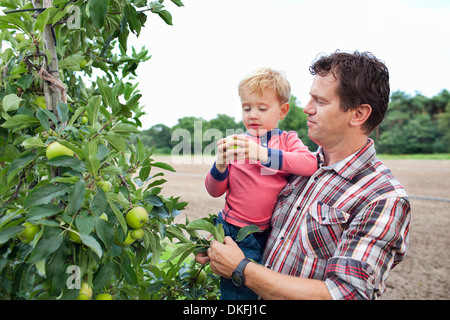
<point>266,78</point>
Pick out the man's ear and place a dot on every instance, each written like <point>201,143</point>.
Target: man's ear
<point>360,115</point>
<point>284,110</point>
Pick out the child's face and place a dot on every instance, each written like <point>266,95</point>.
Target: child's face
<point>261,113</point>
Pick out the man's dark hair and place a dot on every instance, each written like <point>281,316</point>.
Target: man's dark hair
<point>363,79</point>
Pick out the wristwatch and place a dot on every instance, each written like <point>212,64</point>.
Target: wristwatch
<point>238,275</point>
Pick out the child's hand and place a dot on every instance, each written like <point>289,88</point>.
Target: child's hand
<point>221,161</point>
<point>245,149</point>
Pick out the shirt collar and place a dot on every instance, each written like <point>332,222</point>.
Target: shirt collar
<point>352,165</point>
<point>267,136</point>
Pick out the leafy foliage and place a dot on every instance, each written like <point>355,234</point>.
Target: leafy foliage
<point>415,125</point>
<point>62,218</point>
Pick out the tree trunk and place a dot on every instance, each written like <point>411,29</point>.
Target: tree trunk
<point>52,93</point>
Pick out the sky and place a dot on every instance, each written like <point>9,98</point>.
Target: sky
<point>198,62</point>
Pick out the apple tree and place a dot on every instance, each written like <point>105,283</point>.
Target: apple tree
<point>69,178</point>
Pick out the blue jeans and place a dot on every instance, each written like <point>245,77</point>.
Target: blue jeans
<point>253,247</point>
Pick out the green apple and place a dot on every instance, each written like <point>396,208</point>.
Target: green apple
<point>74,236</point>
<point>27,234</point>
<point>85,292</point>
<point>104,296</point>
<point>83,63</point>
<point>20,37</point>
<point>40,101</point>
<point>55,149</point>
<point>137,217</point>
<point>105,185</point>
<point>83,297</point>
<point>199,277</point>
<point>84,120</point>
<point>231,141</point>
<point>137,234</point>
<point>129,239</point>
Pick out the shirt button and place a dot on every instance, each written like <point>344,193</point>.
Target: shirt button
<point>282,238</point>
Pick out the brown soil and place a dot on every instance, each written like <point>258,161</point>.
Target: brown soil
<point>424,274</point>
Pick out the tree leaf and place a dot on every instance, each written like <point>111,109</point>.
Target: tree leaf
<point>103,276</point>
<point>8,233</point>
<point>119,216</point>
<point>76,197</point>
<point>90,152</point>
<point>106,92</point>
<point>98,10</point>
<point>116,141</point>
<point>104,231</point>
<point>11,102</point>
<point>98,205</point>
<point>163,165</point>
<point>19,121</point>
<point>68,162</point>
<point>133,19</point>
<point>219,233</point>
<point>92,243</point>
<point>181,249</point>
<point>85,223</point>
<point>43,119</point>
<point>49,243</point>
<point>63,111</point>
<point>245,231</point>
<point>178,3</point>
<point>125,128</point>
<point>166,16</point>
<point>32,143</point>
<point>201,224</point>
<point>18,164</point>
<point>42,211</point>
<point>45,194</point>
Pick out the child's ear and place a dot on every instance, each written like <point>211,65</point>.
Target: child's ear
<point>284,108</point>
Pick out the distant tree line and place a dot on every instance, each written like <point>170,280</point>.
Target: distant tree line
<point>413,124</point>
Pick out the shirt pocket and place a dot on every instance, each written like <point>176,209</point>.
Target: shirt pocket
<point>321,230</point>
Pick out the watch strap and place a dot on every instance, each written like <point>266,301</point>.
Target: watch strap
<point>238,278</point>
<point>241,266</point>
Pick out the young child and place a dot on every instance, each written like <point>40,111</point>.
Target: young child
<point>253,168</point>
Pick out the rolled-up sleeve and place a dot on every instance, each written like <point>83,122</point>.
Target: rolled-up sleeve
<point>373,243</point>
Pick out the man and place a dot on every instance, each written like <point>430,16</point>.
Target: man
<point>336,234</point>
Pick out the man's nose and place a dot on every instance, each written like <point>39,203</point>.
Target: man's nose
<point>308,109</point>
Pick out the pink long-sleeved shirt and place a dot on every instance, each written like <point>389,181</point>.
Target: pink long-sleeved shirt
<point>252,187</point>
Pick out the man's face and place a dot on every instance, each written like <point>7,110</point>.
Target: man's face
<point>261,113</point>
<point>326,122</point>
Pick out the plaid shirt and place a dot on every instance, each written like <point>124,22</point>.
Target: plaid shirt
<point>348,224</point>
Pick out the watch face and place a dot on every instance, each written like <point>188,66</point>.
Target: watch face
<point>237,281</point>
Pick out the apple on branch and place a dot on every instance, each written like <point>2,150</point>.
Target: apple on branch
<point>27,234</point>
<point>137,217</point>
<point>104,296</point>
<point>85,292</point>
<point>55,149</point>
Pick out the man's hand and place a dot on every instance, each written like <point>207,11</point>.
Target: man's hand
<point>223,258</point>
